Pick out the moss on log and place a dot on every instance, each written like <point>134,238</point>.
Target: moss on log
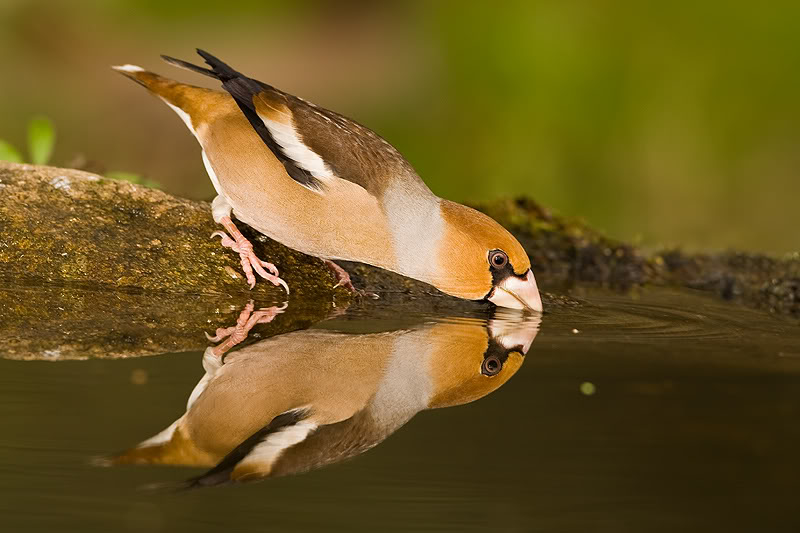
<point>566,251</point>
<point>95,267</point>
<point>72,227</point>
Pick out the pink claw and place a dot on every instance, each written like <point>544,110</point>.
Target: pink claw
<point>343,280</point>
<point>246,321</point>
<point>341,275</point>
<point>248,258</point>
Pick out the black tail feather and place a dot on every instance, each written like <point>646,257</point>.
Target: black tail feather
<point>219,69</point>
<point>189,66</point>
<point>222,70</point>
<point>243,89</point>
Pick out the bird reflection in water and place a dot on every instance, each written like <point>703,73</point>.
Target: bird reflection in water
<point>301,400</point>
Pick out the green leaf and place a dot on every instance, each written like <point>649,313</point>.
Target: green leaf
<point>9,153</point>
<point>41,140</point>
<point>133,178</point>
<point>151,183</point>
<point>124,176</point>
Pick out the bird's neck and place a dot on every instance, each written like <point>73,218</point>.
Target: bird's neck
<point>416,225</point>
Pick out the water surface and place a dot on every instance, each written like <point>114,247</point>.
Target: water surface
<point>654,411</point>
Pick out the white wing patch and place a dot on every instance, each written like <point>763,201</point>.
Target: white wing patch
<point>296,150</point>
<point>264,454</point>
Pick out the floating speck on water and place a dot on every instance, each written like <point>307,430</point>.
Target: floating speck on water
<point>588,388</point>
<point>139,377</point>
<point>575,330</point>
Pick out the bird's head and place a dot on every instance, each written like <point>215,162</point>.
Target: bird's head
<point>480,259</point>
<point>472,359</point>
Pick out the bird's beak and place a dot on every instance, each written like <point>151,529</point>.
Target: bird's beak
<point>511,331</point>
<point>518,293</point>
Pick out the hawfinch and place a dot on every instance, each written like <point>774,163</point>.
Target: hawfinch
<point>294,402</point>
<point>327,186</point>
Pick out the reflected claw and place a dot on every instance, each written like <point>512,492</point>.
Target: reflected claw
<point>246,321</point>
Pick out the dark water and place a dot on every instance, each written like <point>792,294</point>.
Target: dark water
<point>660,411</point>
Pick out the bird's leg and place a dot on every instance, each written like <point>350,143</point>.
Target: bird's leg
<point>341,275</point>
<point>238,243</point>
<point>246,321</point>
<point>343,280</point>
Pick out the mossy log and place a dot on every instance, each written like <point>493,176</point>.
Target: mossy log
<point>566,251</point>
<point>95,267</point>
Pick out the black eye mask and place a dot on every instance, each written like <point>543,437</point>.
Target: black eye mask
<point>499,273</point>
<point>495,357</point>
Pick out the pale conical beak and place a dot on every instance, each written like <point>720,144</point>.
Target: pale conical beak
<point>518,293</point>
<point>512,331</point>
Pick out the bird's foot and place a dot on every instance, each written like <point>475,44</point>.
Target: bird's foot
<point>248,318</point>
<point>250,262</point>
<point>343,280</point>
<point>341,275</point>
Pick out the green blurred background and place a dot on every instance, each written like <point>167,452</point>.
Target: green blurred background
<point>659,122</point>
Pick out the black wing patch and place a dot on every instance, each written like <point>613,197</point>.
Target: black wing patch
<point>221,474</point>
<point>243,89</point>
<point>351,151</point>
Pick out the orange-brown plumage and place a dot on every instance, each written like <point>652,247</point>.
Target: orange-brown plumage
<point>327,186</point>
<point>350,391</point>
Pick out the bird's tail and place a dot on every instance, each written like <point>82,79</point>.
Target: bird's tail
<point>219,69</point>
<point>170,447</point>
<point>180,63</point>
<point>176,94</point>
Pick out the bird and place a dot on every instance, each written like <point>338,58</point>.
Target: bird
<point>302,400</point>
<point>327,186</point>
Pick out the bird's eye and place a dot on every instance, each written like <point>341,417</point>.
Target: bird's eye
<point>498,259</point>
<point>491,366</point>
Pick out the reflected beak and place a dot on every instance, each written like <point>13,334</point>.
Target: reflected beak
<point>518,293</point>
<point>512,331</point>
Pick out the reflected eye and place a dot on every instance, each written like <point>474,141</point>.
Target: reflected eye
<point>491,366</point>
<point>498,259</point>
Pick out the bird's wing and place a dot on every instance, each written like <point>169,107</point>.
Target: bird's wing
<point>255,456</point>
<point>326,444</point>
<point>314,144</point>
<point>335,442</point>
